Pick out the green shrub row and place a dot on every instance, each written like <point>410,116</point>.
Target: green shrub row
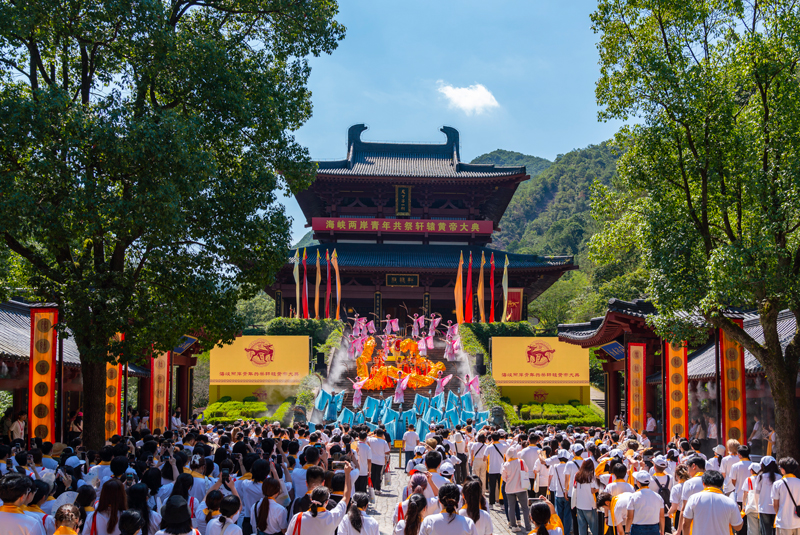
<point>593,420</point>
<point>284,413</point>
<point>236,409</point>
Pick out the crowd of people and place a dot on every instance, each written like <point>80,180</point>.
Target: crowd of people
<point>267,480</point>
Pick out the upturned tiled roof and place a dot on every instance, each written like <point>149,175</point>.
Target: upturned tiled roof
<point>15,337</point>
<point>701,363</point>
<point>638,308</point>
<point>413,160</point>
<point>427,256</point>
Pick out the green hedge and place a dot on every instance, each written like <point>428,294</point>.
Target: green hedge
<point>306,391</point>
<point>233,410</point>
<point>284,413</point>
<point>559,415</point>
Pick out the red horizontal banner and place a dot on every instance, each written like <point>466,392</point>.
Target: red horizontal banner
<point>415,226</point>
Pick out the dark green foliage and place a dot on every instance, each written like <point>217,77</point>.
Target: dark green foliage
<point>249,398</point>
<point>549,213</point>
<point>533,164</point>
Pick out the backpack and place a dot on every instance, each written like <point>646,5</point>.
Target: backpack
<point>663,491</point>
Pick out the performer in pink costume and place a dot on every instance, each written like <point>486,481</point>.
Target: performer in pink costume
<point>417,323</point>
<point>450,348</point>
<point>352,348</point>
<point>425,343</point>
<point>452,330</point>
<point>473,385</point>
<point>434,323</point>
<point>371,327</point>
<point>402,383</point>
<point>392,325</point>
<point>441,382</point>
<point>357,384</point>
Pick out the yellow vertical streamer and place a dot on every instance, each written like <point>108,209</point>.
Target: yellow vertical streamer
<point>459,291</point>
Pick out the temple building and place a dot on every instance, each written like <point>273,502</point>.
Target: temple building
<point>399,215</point>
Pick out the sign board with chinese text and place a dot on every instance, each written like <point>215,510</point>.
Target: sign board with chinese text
<point>411,281</point>
<point>269,360</point>
<point>402,200</point>
<point>615,350</point>
<point>413,226</point>
<point>536,361</point>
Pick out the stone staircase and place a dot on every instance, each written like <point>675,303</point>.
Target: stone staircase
<point>434,355</point>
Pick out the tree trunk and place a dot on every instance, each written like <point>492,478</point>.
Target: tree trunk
<point>783,384</point>
<point>94,402</point>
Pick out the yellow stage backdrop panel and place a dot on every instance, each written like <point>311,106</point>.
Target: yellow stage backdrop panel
<point>540,361</point>
<point>266,360</point>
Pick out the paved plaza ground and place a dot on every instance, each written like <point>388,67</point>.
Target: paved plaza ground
<point>386,503</point>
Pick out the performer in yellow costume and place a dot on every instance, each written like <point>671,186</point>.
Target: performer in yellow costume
<point>423,372</point>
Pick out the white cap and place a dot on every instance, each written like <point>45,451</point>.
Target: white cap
<point>577,449</point>
<point>719,449</point>
<point>617,453</point>
<point>420,468</point>
<point>767,460</point>
<point>419,449</point>
<point>447,469</point>
<point>73,461</point>
<point>660,460</point>
<point>642,477</point>
<point>755,467</point>
<point>563,454</point>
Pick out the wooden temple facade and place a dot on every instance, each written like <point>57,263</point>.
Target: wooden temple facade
<point>679,397</point>
<point>399,216</point>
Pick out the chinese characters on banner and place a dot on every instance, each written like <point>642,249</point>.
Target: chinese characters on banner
<point>525,361</point>
<point>402,200</point>
<point>636,374</point>
<point>411,281</point>
<point>415,226</point>
<point>267,360</point>
<point>159,390</point>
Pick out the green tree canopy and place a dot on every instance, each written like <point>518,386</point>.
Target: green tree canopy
<point>142,145</point>
<point>709,184</point>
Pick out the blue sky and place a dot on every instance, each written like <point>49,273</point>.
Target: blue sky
<point>516,75</point>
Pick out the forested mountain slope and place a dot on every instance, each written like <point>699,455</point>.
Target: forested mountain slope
<point>551,214</point>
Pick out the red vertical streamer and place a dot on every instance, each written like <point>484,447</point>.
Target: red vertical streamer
<point>491,286</point>
<point>468,297</point>
<point>305,286</point>
<point>328,287</point>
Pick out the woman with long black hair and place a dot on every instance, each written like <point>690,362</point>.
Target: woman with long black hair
<point>113,500</point>
<point>448,522</point>
<point>317,520</point>
<point>138,496</point>
<point>540,516</point>
<point>268,516</point>
<point>357,520</point>
<point>413,521</point>
<point>476,508</point>
<point>229,510</point>
<point>770,473</point>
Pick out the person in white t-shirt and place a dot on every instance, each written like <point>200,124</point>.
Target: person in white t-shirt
<point>645,508</point>
<point>770,473</point>
<point>714,512</point>
<point>16,492</point>
<point>380,456</point>
<point>541,513</point>
<point>615,509</point>
<point>477,452</point>
<point>364,458</point>
<point>475,508</point>
<point>585,488</point>
<point>785,494</point>
<point>448,522</point>
<point>739,473</point>
<point>410,441</point>
<point>357,521</point>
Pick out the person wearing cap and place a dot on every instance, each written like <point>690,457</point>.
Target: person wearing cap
<point>786,497</point>
<point>418,458</point>
<point>564,473</point>
<point>661,484</point>
<point>714,512</point>
<point>645,508</point>
<point>16,492</point>
<point>770,473</point>
<point>739,473</point>
<point>515,477</point>
<point>715,463</point>
<point>410,442</point>
<point>750,500</point>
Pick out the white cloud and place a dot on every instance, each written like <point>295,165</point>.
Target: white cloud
<point>473,99</point>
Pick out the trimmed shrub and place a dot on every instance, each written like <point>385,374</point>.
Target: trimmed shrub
<point>250,398</point>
